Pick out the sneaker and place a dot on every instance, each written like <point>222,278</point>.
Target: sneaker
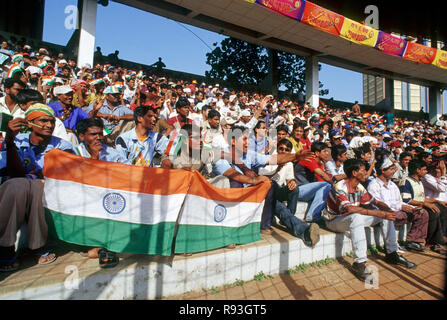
<point>360,270</point>
<point>312,235</point>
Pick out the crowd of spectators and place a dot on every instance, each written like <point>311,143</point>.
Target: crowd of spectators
<point>353,169</point>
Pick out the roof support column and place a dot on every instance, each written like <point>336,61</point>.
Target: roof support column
<point>434,103</point>
<point>87,25</point>
<point>312,82</point>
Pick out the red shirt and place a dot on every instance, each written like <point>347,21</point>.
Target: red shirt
<point>312,165</point>
<point>173,120</point>
<point>306,143</point>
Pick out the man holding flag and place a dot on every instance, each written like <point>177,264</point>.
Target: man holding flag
<point>21,195</point>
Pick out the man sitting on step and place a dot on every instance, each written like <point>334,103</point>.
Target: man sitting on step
<point>350,208</point>
<point>384,189</point>
<point>287,189</point>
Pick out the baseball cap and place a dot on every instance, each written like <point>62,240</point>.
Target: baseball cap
<point>62,90</point>
<point>245,113</point>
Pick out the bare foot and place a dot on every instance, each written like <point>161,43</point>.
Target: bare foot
<point>93,253</point>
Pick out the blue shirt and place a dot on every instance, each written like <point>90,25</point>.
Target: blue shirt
<point>107,154</point>
<point>251,160</point>
<point>33,156</point>
<point>257,146</point>
<point>141,153</point>
<point>75,115</point>
<point>119,111</point>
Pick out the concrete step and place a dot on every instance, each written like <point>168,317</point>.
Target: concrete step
<point>149,277</point>
<point>72,276</point>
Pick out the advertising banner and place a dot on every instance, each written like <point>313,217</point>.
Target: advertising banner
<point>322,19</point>
<point>291,8</point>
<point>419,53</point>
<point>390,44</point>
<point>359,33</point>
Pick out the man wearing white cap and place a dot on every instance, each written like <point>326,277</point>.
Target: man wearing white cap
<point>65,111</point>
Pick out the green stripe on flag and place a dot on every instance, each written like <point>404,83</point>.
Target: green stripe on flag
<point>123,237</point>
<point>195,238</point>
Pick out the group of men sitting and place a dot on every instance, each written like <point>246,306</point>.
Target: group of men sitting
<point>233,143</point>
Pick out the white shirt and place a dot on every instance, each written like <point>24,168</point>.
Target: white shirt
<point>281,177</point>
<point>387,193</point>
<point>435,188</point>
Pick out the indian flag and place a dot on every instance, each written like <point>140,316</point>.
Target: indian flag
<point>96,81</point>
<point>17,57</point>
<point>42,63</point>
<point>174,145</point>
<point>143,210</point>
<point>13,69</point>
<point>120,207</point>
<point>48,80</point>
<point>213,218</point>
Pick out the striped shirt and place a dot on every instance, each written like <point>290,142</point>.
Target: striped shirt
<point>342,195</point>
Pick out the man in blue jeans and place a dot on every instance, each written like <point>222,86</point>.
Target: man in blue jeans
<point>241,166</point>
<point>287,189</point>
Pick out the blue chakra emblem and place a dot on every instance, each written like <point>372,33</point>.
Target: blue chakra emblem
<point>220,212</point>
<point>114,203</point>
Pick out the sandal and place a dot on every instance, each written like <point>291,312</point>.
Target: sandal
<point>9,265</point>
<point>107,259</point>
<point>46,258</point>
<point>438,249</point>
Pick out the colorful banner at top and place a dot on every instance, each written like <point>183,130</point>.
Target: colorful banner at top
<point>441,59</point>
<point>322,18</point>
<point>419,53</point>
<point>336,24</point>
<point>359,33</point>
<point>390,44</point>
<point>291,8</point>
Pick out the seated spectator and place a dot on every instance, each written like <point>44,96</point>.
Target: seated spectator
<point>238,166</point>
<point>413,193</point>
<point>192,155</point>
<point>384,190</point>
<point>349,208</point>
<point>117,117</point>
<point>21,195</point>
<point>297,136</point>
<point>90,133</point>
<point>315,166</point>
<point>435,186</point>
<point>401,173</point>
<point>26,98</point>
<point>80,97</point>
<point>258,141</point>
<point>288,189</point>
<point>141,145</point>
<point>65,111</point>
<point>335,167</point>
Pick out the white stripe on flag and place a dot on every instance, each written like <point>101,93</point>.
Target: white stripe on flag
<point>76,199</point>
<point>206,212</point>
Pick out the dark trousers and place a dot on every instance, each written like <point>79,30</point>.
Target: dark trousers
<point>267,213</point>
<point>435,234</point>
<point>419,224</point>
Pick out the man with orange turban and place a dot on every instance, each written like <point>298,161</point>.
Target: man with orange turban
<point>21,194</point>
